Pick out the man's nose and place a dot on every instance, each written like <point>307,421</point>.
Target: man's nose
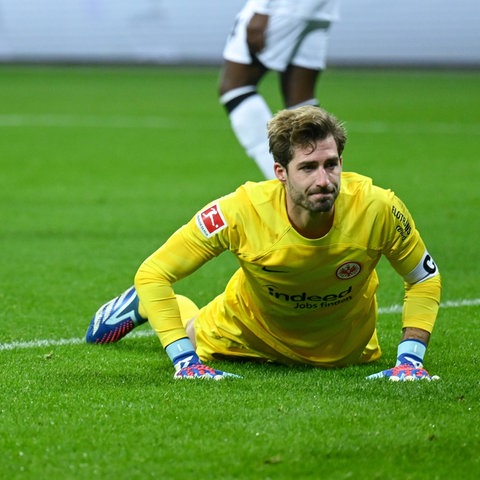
<point>322,177</point>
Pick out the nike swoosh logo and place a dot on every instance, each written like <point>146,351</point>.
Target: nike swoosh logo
<point>272,270</point>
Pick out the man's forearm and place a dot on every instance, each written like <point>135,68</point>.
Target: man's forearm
<point>412,333</point>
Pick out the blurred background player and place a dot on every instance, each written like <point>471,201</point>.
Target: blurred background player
<point>286,36</point>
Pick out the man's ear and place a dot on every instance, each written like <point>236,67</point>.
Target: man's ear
<point>280,172</point>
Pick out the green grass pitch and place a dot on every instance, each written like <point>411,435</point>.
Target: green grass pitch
<point>100,165</point>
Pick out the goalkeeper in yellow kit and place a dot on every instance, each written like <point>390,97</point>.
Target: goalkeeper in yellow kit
<point>307,244</point>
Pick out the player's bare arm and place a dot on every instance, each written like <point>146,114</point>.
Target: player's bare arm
<point>256,33</point>
<point>412,333</point>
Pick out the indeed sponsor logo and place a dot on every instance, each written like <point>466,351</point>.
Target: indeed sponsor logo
<point>304,300</point>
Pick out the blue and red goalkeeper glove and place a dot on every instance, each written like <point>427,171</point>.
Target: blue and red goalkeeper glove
<point>188,365</point>
<point>409,365</point>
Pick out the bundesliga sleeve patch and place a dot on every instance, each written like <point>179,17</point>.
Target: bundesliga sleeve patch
<point>211,220</point>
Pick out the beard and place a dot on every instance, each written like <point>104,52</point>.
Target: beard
<point>319,200</point>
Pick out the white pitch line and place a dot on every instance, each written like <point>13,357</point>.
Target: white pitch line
<point>441,128</point>
<point>473,302</point>
<point>93,121</point>
<point>61,341</point>
<point>156,122</point>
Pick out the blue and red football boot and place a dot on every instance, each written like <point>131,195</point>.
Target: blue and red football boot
<point>115,319</point>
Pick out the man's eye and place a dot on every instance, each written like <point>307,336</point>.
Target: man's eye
<point>331,166</point>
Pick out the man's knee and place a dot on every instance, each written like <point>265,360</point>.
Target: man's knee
<point>236,75</point>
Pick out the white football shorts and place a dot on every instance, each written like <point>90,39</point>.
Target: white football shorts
<point>289,41</point>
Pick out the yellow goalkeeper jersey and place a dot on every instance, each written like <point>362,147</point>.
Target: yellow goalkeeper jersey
<point>293,299</point>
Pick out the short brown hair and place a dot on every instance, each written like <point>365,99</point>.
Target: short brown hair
<point>302,127</point>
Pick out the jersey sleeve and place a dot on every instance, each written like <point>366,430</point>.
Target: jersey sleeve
<point>205,236</point>
<point>408,255</point>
